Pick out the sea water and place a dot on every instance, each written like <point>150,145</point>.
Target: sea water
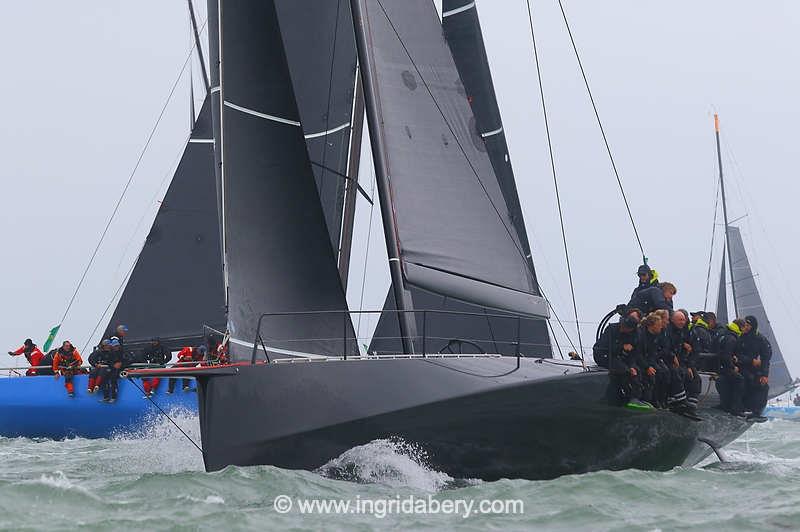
<point>154,480</point>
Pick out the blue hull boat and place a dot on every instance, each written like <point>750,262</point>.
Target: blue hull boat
<point>38,407</point>
<point>783,412</point>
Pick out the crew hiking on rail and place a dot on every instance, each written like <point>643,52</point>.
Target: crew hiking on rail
<point>654,354</point>
<point>108,360</point>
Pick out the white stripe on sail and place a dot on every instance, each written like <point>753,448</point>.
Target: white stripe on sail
<point>276,350</point>
<point>458,10</point>
<point>262,115</point>
<point>330,131</point>
<point>492,133</point>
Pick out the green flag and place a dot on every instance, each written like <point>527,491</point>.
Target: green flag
<point>50,338</point>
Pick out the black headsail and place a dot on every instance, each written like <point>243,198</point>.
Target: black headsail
<point>321,53</point>
<point>464,69</point>
<point>749,303</point>
<point>278,252</point>
<point>176,285</point>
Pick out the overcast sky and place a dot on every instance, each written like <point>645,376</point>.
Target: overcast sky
<point>84,83</point>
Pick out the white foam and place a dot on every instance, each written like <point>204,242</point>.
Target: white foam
<point>391,462</point>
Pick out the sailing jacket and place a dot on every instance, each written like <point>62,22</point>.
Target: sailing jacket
<point>158,355</point>
<point>649,299</point>
<point>67,362</point>
<point>34,357</point>
<point>728,350</point>
<point>701,339</point>
<point>751,346</point>
<point>678,337</point>
<point>98,357</point>
<point>654,348</point>
<point>619,361</point>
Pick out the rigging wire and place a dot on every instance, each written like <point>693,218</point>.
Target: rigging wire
<point>602,129</point>
<point>452,132</point>
<point>366,253</point>
<point>555,178</point>
<point>133,381</point>
<point>711,252</point>
<point>330,92</point>
<point>128,183</point>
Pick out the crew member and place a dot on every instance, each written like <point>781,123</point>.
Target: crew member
<point>681,346</point>
<point>647,277</point>
<point>98,360</point>
<point>67,363</point>
<point>654,298</point>
<point>111,371</point>
<point>730,383</point>
<point>155,355</point>
<point>755,353</point>
<point>32,354</point>
<point>703,345</point>
<point>655,353</point>
<point>121,333</point>
<point>188,356</point>
<point>623,358</point>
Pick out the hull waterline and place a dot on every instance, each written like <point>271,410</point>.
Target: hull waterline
<point>478,417</point>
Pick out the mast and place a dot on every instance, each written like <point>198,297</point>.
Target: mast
<point>379,156</point>
<point>199,48</point>
<point>725,215</point>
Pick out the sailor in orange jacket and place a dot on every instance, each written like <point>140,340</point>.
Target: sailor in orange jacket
<point>67,362</point>
<point>32,353</point>
<point>186,357</point>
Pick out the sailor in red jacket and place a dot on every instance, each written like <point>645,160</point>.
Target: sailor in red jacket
<point>32,353</point>
<point>188,357</point>
<point>67,362</point>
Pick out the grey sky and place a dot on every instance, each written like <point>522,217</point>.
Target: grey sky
<point>85,84</point>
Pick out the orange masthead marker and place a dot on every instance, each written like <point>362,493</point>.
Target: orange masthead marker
<point>716,122</point>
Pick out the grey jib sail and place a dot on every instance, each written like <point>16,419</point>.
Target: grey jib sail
<point>277,247</point>
<point>748,303</point>
<point>176,285</point>
<point>321,53</point>
<point>722,293</point>
<point>470,81</point>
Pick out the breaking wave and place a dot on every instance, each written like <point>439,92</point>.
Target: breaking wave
<point>391,462</point>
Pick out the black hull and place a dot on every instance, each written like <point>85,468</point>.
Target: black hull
<point>474,417</point>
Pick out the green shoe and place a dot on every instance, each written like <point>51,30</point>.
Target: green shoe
<point>636,404</point>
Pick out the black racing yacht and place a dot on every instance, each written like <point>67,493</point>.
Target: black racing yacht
<point>461,362</point>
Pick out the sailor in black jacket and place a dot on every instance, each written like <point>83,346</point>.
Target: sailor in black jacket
<point>730,383</point>
<point>681,346</point>
<point>654,298</point>
<point>755,353</point>
<point>656,359</point>
<point>623,358</point>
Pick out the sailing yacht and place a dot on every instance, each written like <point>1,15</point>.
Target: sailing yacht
<point>461,363</point>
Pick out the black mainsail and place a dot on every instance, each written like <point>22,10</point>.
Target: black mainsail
<point>277,248</point>
<point>749,303</point>
<point>463,35</point>
<point>176,285</point>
